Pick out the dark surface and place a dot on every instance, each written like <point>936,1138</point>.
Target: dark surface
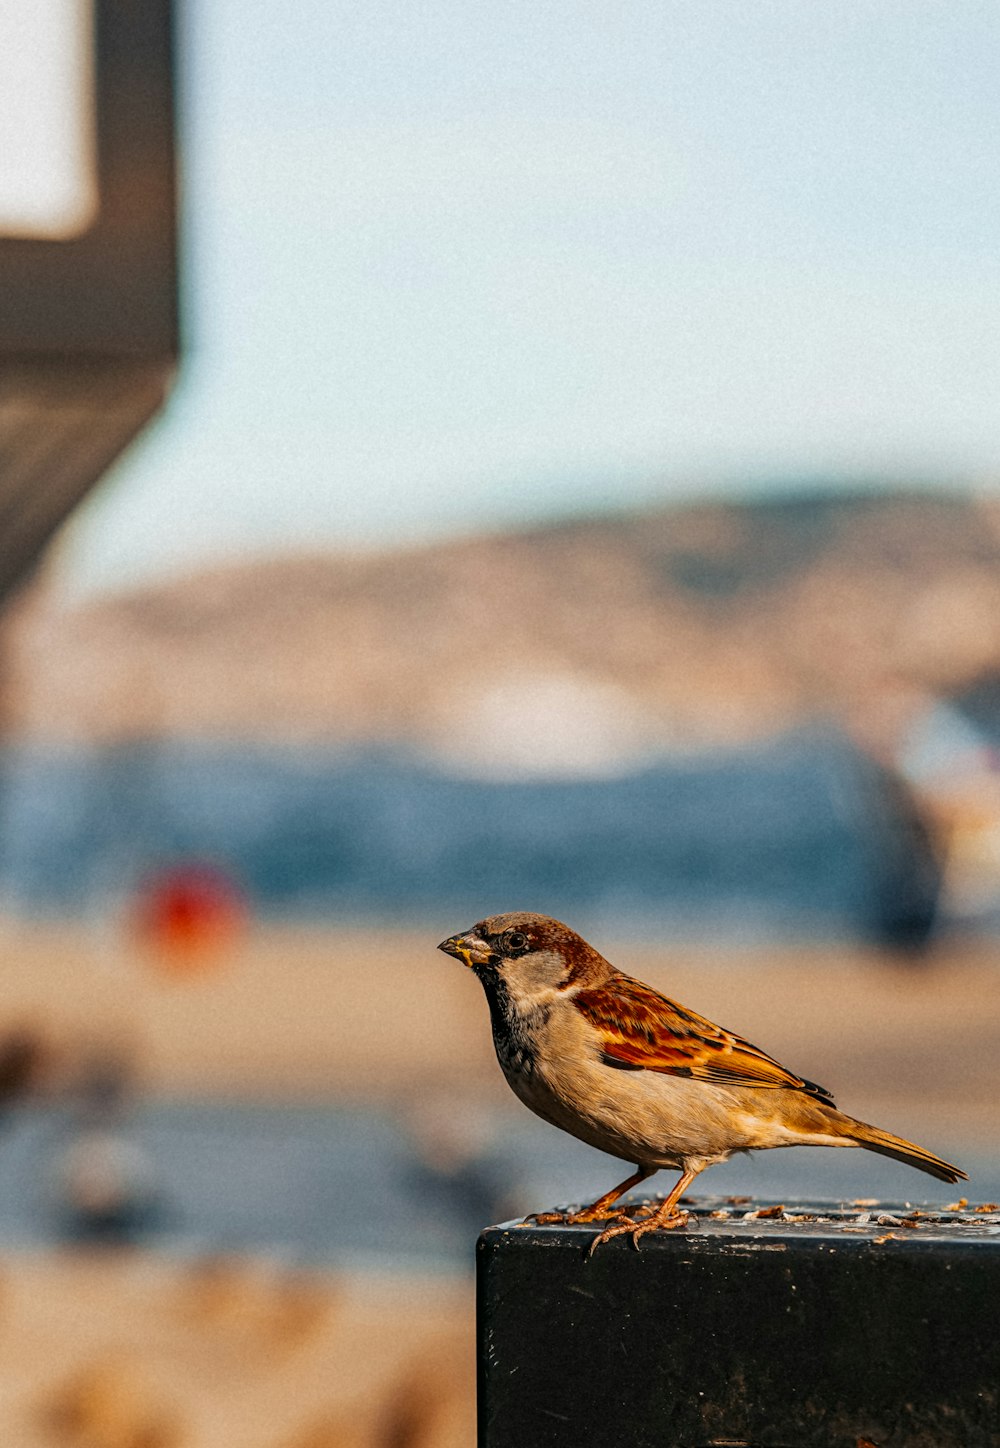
<point>821,1332</point>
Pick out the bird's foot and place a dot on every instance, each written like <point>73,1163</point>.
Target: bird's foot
<point>598,1214</point>
<point>572,1219</point>
<point>654,1222</point>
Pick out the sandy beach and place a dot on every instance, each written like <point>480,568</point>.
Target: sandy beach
<point>131,1351</point>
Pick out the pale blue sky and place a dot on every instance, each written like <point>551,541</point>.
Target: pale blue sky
<point>452,263</point>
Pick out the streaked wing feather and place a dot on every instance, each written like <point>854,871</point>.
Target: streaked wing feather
<point>642,1030</point>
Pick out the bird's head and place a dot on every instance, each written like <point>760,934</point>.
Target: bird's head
<point>532,954</point>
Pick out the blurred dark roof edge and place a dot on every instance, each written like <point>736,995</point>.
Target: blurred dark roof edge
<point>89,329</point>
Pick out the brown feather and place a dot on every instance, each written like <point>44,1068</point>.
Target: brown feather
<point>641,1029</point>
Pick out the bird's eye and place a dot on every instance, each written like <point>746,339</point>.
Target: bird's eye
<point>516,942</point>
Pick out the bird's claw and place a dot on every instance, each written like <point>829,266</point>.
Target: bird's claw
<point>636,1230</point>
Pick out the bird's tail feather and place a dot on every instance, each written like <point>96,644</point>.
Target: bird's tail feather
<point>874,1139</point>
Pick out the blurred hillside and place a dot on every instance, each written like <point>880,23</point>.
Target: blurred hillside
<point>579,644</point>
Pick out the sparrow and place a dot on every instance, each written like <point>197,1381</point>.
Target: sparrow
<point>621,1067</point>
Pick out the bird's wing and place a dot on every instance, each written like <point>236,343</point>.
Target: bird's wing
<point>641,1030</point>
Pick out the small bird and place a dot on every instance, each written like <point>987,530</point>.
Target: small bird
<point>622,1068</point>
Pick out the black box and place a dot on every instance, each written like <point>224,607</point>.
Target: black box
<point>817,1327</point>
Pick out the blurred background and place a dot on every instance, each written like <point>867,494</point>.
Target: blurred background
<point>580,492</point>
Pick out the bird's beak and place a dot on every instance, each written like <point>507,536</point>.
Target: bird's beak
<point>467,948</point>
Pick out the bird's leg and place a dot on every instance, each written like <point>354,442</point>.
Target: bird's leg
<point>663,1216</point>
<point>600,1209</point>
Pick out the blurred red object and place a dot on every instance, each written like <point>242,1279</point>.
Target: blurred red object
<point>189,917</point>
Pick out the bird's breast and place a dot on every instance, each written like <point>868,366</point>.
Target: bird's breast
<point>553,1063</point>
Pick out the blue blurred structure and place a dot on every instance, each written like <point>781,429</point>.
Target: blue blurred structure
<point>803,834</point>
